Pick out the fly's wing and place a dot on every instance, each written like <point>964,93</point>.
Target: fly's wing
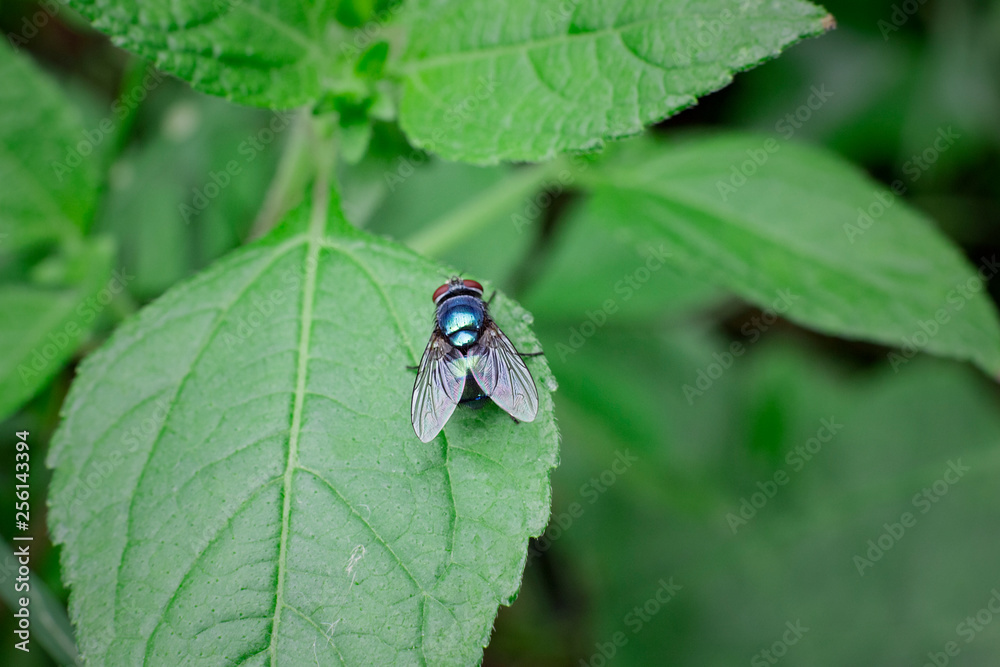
<point>502,375</point>
<point>438,387</point>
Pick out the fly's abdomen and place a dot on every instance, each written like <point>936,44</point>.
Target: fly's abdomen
<point>473,395</point>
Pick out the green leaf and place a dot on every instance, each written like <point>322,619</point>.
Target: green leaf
<point>271,54</point>
<point>625,282</point>
<point>260,495</point>
<point>489,80</point>
<point>42,326</point>
<point>791,236</point>
<point>50,177</point>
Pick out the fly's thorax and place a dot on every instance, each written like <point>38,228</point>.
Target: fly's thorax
<point>461,319</point>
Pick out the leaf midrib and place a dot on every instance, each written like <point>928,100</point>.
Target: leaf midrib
<point>678,199</point>
<point>414,358</point>
<point>675,199</point>
<point>277,253</point>
<point>317,229</point>
<point>519,48</point>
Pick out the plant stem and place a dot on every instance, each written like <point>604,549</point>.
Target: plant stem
<point>294,170</point>
<point>463,222</point>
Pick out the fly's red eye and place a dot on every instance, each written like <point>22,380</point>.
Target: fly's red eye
<point>440,291</point>
<point>472,284</point>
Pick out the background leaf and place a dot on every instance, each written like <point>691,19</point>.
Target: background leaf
<point>769,219</point>
<point>517,80</point>
<point>249,433</point>
<point>45,324</point>
<point>272,54</point>
<point>624,281</point>
<point>50,177</point>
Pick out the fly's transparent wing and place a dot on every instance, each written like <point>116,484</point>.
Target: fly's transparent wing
<point>502,375</point>
<point>438,387</point>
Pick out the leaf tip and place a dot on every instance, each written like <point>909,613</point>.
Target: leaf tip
<point>829,22</point>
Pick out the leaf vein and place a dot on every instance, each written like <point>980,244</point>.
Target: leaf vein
<point>212,333</point>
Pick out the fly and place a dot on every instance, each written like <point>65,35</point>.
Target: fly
<point>467,360</point>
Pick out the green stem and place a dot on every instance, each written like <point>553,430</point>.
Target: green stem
<point>324,137</point>
<point>463,222</point>
<point>294,170</point>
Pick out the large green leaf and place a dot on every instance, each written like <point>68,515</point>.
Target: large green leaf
<point>625,282</point>
<point>263,52</point>
<point>237,478</point>
<point>795,229</point>
<point>49,177</point>
<point>41,326</point>
<point>489,80</point>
